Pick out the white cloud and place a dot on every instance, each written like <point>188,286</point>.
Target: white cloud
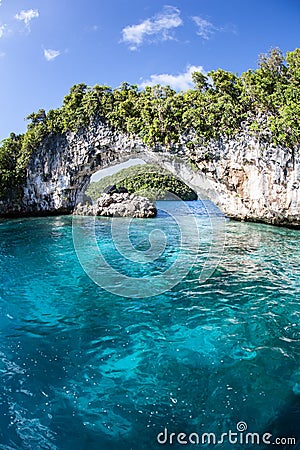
<point>158,27</point>
<point>180,82</point>
<point>2,54</point>
<point>205,28</point>
<point>50,54</point>
<point>27,16</point>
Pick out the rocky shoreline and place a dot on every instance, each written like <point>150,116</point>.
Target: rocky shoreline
<point>118,205</point>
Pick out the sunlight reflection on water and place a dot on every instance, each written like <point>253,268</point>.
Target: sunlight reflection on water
<point>82,368</point>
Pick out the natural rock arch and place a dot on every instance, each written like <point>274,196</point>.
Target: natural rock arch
<point>179,168</point>
<point>243,177</point>
<point>60,170</point>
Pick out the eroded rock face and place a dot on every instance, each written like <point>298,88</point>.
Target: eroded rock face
<point>118,205</point>
<point>246,176</point>
<point>255,181</point>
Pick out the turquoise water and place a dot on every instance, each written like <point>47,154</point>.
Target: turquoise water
<point>83,368</point>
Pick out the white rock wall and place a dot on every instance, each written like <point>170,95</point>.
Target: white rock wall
<point>246,179</point>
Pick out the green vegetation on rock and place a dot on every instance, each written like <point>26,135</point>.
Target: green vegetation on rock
<point>144,180</point>
<point>265,101</point>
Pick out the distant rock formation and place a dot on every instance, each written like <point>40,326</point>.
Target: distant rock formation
<point>148,180</point>
<point>118,205</point>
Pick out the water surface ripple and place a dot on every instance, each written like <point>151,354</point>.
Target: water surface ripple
<point>84,369</point>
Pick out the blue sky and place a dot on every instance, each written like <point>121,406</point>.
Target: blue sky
<point>47,46</point>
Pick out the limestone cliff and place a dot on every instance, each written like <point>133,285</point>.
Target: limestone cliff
<point>255,181</point>
<point>246,178</point>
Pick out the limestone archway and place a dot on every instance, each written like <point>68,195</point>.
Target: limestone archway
<point>60,170</point>
<point>180,169</point>
<point>245,178</point>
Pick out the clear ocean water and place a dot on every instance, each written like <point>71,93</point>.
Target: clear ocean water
<point>83,368</point>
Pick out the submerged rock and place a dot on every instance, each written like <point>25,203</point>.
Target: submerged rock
<point>118,205</point>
